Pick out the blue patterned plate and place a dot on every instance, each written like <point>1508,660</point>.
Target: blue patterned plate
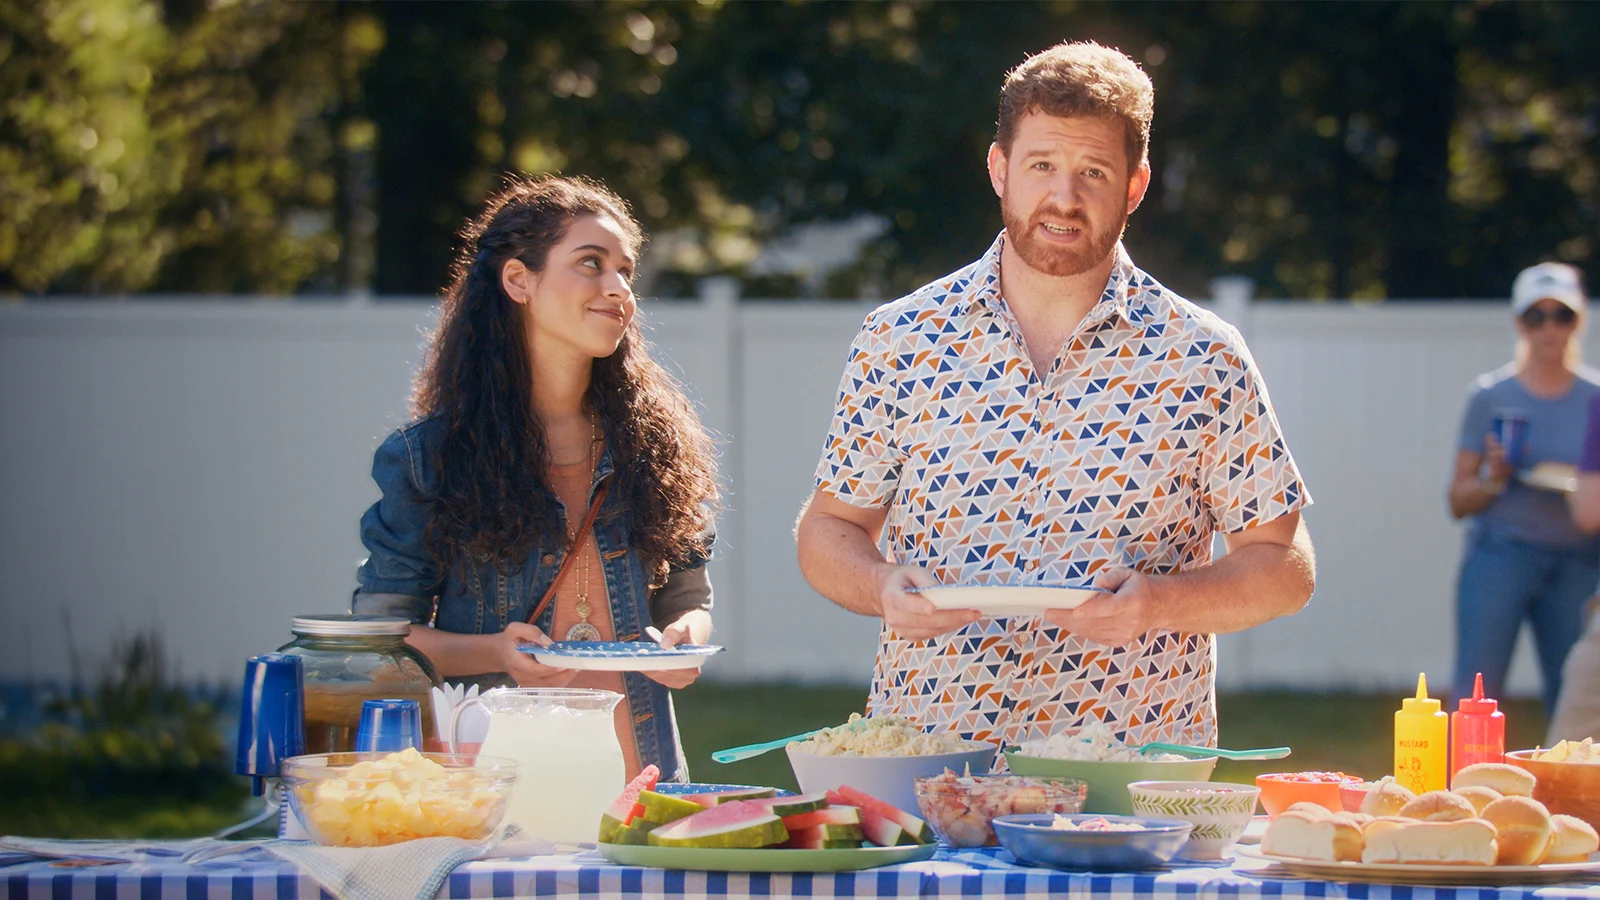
<point>620,656</point>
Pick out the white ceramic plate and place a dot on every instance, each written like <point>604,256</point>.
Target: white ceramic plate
<point>620,656</point>
<point>1550,477</point>
<point>1007,599</point>
<point>1409,873</point>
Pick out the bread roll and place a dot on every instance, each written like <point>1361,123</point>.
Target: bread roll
<point>1478,795</point>
<point>1572,839</point>
<point>1512,781</point>
<point>1439,806</point>
<point>1304,835</point>
<point>1314,810</point>
<point>1467,842</point>
<point>1522,827</point>
<point>1386,798</point>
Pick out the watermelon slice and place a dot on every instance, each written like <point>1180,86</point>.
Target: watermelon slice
<point>663,808</point>
<point>829,815</point>
<point>884,825</point>
<point>795,805</point>
<point>734,824</point>
<point>828,833</point>
<point>715,797</point>
<point>637,832</point>
<point>820,844</point>
<point>626,807</point>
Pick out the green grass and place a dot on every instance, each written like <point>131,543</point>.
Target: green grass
<point>1348,732</point>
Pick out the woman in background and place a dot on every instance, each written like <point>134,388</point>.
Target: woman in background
<point>1525,559</point>
<point>556,482</point>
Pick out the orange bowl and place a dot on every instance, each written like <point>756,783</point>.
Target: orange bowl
<point>1352,793</point>
<point>1281,790</point>
<point>1564,787</point>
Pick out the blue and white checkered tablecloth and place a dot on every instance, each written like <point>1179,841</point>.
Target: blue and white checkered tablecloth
<point>968,873</point>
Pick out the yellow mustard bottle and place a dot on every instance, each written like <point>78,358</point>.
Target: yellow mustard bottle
<point>1421,742</point>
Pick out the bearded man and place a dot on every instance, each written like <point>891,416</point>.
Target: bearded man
<point>1050,415</point>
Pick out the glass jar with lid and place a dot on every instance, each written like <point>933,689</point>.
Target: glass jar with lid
<point>351,658</point>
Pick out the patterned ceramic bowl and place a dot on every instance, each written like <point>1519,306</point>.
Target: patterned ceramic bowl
<point>1219,810</point>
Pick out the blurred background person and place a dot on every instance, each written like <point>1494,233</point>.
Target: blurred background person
<point>1525,558</point>
<point>1577,713</point>
<point>556,482</point>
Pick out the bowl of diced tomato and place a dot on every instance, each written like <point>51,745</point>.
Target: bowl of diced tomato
<point>1281,790</point>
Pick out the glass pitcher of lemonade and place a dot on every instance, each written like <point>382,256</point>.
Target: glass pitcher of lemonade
<point>569,759</point>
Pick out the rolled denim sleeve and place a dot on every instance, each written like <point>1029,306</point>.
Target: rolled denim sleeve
<point>399,576</point>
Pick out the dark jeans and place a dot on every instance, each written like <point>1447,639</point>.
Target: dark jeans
<point>1502,583</point>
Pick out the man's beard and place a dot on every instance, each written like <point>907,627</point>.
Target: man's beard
<point>1049,258</point>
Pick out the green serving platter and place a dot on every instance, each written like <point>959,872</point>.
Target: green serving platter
<point>764,860</point>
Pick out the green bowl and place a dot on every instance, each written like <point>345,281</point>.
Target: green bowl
<point>1108,781</point>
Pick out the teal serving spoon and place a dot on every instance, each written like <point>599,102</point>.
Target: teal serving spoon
<point>1187,750</point>
<point>734,754</point>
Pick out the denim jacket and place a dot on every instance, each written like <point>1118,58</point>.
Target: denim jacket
<point>401,578</point>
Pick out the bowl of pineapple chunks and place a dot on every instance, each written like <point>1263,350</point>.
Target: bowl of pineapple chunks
<point>376,799</point>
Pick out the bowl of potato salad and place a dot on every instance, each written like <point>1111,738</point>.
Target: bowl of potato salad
<point>375,799</point>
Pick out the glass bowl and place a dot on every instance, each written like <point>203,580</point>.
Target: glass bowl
<point>375,799</point>
<point>960,807</point>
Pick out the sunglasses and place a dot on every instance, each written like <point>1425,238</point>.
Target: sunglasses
<point>1534,317</point>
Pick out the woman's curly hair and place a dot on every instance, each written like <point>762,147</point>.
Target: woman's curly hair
<point>494,499</point>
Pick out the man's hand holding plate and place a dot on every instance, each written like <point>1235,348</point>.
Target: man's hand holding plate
<point>913,616</point>
<point>1116,618</point>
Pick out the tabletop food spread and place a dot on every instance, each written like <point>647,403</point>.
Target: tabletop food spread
<point>885,808</point>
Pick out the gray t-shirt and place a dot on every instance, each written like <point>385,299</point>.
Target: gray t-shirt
<point>1554,434</point>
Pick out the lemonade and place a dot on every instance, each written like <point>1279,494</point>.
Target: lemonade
<point>570,763</point>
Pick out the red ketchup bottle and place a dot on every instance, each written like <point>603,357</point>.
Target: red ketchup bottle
<point>1477,731</point>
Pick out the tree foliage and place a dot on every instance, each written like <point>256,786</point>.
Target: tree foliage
<point>169,146</point>
<point>1326,150</point>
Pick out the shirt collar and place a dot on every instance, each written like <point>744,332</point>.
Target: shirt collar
<point>984,287</point>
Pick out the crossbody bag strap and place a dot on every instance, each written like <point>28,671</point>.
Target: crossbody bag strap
<point>572,552</point>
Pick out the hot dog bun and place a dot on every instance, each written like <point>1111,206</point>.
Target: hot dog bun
<point>1386,798</point>
<point>1467,842</point>
<point>1522,827</point>
<point>1304,835</point>
<point>1512,781</point>
<point>1439,806</point>
<point>1572,839</point>
<point>1479,796</point>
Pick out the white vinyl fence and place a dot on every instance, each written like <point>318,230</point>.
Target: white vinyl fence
<point>199,466</point>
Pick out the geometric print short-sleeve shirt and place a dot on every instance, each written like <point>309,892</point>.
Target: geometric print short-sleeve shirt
<point>1151,432</point>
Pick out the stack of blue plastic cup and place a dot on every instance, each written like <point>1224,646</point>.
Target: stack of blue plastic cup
<point>389,725</point>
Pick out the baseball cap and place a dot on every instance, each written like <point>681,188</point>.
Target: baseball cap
<point>1552,280</point>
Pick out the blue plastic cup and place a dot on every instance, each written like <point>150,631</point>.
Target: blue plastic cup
<point>1510,428</point>
<point>271,716</point>
<point>389,725</point>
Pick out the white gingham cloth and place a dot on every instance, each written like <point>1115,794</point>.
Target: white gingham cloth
<point>964,873</point>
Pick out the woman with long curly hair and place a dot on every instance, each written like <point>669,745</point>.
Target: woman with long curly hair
<point>543,430</point>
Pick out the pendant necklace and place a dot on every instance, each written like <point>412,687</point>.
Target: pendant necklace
<point>583,630</point>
